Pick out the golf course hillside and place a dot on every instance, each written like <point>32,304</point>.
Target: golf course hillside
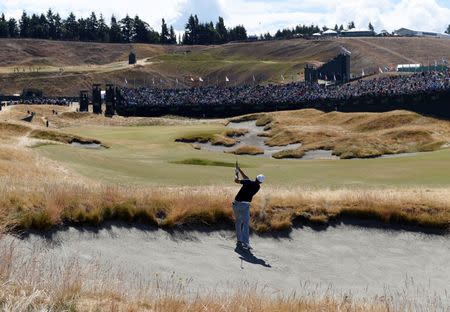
<point>81,170</point>
<point>63,68</point>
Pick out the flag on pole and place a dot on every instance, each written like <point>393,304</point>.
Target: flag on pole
<point>334,77</point>
<point>176,80</point>
<point>362,73</point>
<point>254,78</point>
<point>153,80</point>
<point>192,79</point>
<point>200,79</point>
<point>126,81</point>
<point>282,77</point>
<point>380,70</point>
<point>226,79</point>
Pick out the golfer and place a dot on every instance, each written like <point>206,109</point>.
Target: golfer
<point>241,206</point>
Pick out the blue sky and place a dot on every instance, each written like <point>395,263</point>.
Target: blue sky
<point>258,15</point>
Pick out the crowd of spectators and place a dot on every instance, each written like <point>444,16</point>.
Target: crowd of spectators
<point>44,101</point>
<point>287,93</point>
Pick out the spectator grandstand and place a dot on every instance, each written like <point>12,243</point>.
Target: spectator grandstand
<point>216,101</point>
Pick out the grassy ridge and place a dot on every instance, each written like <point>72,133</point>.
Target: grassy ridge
<point>273,210</point>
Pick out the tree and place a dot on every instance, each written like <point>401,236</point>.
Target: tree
<point>115,33</point>
<point>13,28</point>
<point>58,27</point>
<point>126,25</point>
<point>336,27</point>
<point>371,27</point>
<point>70,28</point>
<point>92,28</point>
<point>221,31</point>
<point>341,28</point>
<point>51,25</point>
<point>24,25</point>
<point>172,35</point>
<point>351,25</point>
<point>165,35</point>
<point>140,31</point>
<point>448,30</point>
<point>102,30</point>
<point>4,33</point>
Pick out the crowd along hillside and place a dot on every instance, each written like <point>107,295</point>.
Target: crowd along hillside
<point>63,68</point>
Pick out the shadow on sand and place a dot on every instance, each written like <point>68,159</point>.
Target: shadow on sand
<point>248,256</point>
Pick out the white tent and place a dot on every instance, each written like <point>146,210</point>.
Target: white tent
<point>317,35</point>
<point>330,32</point>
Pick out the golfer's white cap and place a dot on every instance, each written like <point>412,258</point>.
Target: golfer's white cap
<point>260,178</point>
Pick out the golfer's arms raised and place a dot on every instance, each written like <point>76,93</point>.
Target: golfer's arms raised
<point>243,174</point>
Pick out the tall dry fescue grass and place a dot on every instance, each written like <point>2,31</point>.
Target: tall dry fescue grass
<point>47,205</point>
<point>356,135</point>
<point>29,282</point>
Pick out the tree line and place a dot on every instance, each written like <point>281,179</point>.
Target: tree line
<point>127,30</point>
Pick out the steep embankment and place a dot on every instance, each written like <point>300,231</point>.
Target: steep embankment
<point>86,63</point>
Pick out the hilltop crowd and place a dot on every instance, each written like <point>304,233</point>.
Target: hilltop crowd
<point>45,101</point>
<point>288,93</point>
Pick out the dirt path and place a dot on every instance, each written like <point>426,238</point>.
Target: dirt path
<point>410,60</point>
<point>348,259</point>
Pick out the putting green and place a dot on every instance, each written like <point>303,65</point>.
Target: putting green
<point>148,155</point>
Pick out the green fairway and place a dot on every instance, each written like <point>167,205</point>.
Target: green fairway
<point>149,156</point>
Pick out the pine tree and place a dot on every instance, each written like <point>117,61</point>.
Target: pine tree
<point>4,33</point>
<point>115,33</point>
<point>13,28</point>
<point>336,27</point>
<point>51,25</point>
<point>351,25</point>
<point>126,25</point>
<point>371,27</point>
<point>103,30</point>
<point>58,27</point>
<point>221,30</point>
<point>24,25</point>
<point>140,31</point>
<point>92,28</point>
<point>70,28</point>
<point>173,36</point>
<point>165,35</point>
<point>448,30</point>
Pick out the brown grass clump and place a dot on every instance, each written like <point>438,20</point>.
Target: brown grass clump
<point>248,150</point>
<point>60,137</point>
<point>233,133</point>
<point>226,138</point>
<point>357,135</point>
<point>294,153</point>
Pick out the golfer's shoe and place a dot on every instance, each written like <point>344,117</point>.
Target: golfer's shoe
<point>246,247</point>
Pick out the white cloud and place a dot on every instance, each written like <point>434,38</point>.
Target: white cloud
<point>258,15</point>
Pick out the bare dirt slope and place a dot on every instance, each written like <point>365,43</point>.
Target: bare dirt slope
<point>86,63</point>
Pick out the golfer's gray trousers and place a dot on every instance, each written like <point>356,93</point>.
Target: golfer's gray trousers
<point>242,214</point>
